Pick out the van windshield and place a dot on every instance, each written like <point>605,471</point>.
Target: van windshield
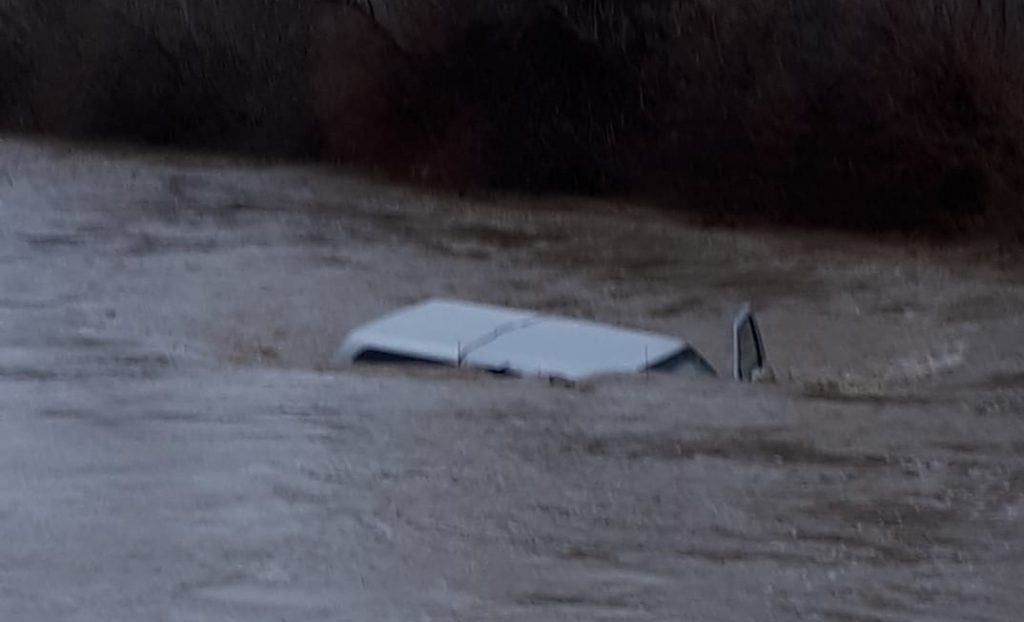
<point>687,361</point>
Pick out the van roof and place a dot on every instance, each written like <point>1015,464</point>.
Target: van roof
<point>519,342</point>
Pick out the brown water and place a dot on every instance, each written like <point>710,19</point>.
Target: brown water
<point>172,448</point>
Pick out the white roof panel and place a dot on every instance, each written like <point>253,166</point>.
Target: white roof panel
<point>573,350</point>
<point>436,329</point>
<point>497,338</point>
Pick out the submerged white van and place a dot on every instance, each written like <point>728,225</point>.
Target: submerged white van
<point>524,343</point>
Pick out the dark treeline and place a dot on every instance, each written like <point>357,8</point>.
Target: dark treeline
<point>863,114</point>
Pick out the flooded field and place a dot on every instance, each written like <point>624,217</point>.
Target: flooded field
<point>172,446</point>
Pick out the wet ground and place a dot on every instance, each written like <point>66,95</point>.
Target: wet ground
<point>173,448</point>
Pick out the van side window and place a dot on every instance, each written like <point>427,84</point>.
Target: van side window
<point>379,356</point>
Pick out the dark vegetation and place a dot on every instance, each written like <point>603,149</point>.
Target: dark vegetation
<point>873,115</point>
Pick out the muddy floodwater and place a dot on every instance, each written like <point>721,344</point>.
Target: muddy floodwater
<point>173,447</point>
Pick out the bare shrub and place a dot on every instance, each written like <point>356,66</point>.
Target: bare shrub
<point>14,69</point>
<point>359,84</point>
<point>863,114</point>
<point>543,100</point>
<point>224,75</point>
<point>867,115</point>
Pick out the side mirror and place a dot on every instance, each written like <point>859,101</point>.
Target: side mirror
<point>748,348</point>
